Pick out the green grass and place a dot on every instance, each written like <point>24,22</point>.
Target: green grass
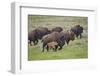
<point>53,21</point>
<point>75,50</point>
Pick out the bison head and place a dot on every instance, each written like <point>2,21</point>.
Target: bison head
<point>72,35</point>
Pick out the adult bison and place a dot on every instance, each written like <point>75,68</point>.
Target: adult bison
<point>41,31</point>
<point>32,37</point>
<point>78,30</point>
<point>57,29</point>
<point>68,36</point>
<point>53,37</point>
<point>37,34</point>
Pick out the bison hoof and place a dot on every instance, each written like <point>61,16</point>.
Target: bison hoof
<point>42,50</point>
<point>60,49</point>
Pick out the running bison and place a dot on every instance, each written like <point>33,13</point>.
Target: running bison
<point>54,36</point>
<point>37,34</point>
<point>60,38</point>
<point>78,30</point>
<point>68,35</point>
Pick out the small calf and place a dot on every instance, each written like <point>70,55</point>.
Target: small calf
<point>52,45</point>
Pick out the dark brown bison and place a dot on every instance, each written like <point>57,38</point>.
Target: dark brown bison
<point>78,30</point>
<point>32,37</point>
<point>68,35</point>
<point>52,45</point>
<point>57,29</point>
<point>37,34</point>
<point>41,31</point>
<point>54,36</point>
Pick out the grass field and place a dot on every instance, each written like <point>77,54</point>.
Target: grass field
<point>75,50</point>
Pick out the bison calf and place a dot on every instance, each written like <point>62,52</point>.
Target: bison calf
<point>52,45</point>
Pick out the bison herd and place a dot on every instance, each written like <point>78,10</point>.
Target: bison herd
<point>54,38</point>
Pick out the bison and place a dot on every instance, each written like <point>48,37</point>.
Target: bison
<point>41,31</point>
<point>57,29</point>
<point>78,30</point>
<point>37,34</point>
<point>68,35</point>
<point>54,36</point>
<point>32,37</point>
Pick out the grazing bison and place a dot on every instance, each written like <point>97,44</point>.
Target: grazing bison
<point>54,36</point>
<point>37,34</point>
<point>68,35</point>
<point>57,29</point>
<point>78,30</point>
<point>52,45</point>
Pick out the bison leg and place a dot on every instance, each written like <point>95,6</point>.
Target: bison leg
<point>36,42</point>
<point>67,41</point>
<point>80,36</point>
<point>77,36</point>
<point>30,42</point>
<point>56,48</point>
<point>60,48</point>
<point>43,47</point>
<point>61,44</point>
<point>47,48</point>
